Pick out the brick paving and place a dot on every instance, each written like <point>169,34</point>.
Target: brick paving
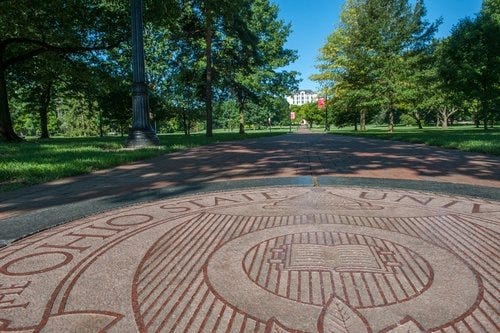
<point>286,259</point>
<point>282,156</point>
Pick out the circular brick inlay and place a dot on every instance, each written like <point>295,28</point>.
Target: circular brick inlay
<point>267,260</point>
<point>327,263</point>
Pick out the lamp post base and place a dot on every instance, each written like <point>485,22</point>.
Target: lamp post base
<point>142,138</point>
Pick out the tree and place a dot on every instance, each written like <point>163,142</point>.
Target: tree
<point>470,60</point>
<point>217,17</point>
<point>236,39</point>
<point>253,63</point>
<point>196,34</point>
<point>73,59</point>
<point>178,71</point>
<point>313,114</point>
<point>61,27</point>
<point>34,82</point>
<point>345,69</point>
<point>422,87</point>
<point>396,33</point>
<point>366,57</point>
<point>114,105</point>
<point>41,79</point>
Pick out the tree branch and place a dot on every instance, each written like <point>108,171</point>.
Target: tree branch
<point>46,47</point>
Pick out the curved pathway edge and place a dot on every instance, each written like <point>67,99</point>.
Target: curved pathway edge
<point>19,227</point>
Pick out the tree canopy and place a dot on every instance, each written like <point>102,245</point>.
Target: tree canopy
<point>74,60</point>
<point>61,28</point>
<point>469,62</point>
<point>383,61</point>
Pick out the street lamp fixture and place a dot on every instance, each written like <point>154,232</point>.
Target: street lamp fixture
<point>141,133</point>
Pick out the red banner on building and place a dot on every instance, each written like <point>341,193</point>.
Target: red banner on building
<point>321,103</point>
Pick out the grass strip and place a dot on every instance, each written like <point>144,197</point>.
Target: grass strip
<point>39,161</point>
<point>466,138</point>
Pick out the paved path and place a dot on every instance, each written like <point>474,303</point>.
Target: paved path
<point>282,156</point>
<point>335,248</point>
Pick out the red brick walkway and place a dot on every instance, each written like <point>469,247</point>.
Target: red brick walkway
<point>282,156</point>
<point>288,259</point>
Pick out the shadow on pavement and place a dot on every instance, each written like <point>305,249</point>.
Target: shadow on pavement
<point>289,155</point>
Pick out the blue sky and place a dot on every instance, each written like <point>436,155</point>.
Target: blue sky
<point>313,20</point>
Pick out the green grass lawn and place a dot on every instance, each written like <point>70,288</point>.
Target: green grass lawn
<point>467,138</point>
<point>39,161</point>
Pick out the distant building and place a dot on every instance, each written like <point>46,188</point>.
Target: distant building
<point>302,97</point>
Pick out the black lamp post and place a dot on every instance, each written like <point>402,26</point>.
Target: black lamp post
<point>141,134</point>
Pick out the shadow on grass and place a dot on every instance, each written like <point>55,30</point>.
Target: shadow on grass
<point>38,161</point>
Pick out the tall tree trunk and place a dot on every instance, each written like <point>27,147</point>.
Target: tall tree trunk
<point>242,122</point>
<point>391,120</point>
<point>44,109</point>
<point>6,130</point>
<point>445,121</point>
<point>444,117</point>
<point>99,115</point>
<point>416,116</point>
<point>362,120</point>
<point>208,77</point>
<point>185,123</point>
<point>241,107</point>
<point>101,129</point>
<point>484,108</point>
<point>446,114</point>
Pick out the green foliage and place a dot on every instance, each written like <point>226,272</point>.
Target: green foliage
<point>382,59</point>
<point>249,68</point>
<point>469,61</point>
<point>66,28</point>
<point>311,113</point>
<point>69,70</point>
<point>370,60</point>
